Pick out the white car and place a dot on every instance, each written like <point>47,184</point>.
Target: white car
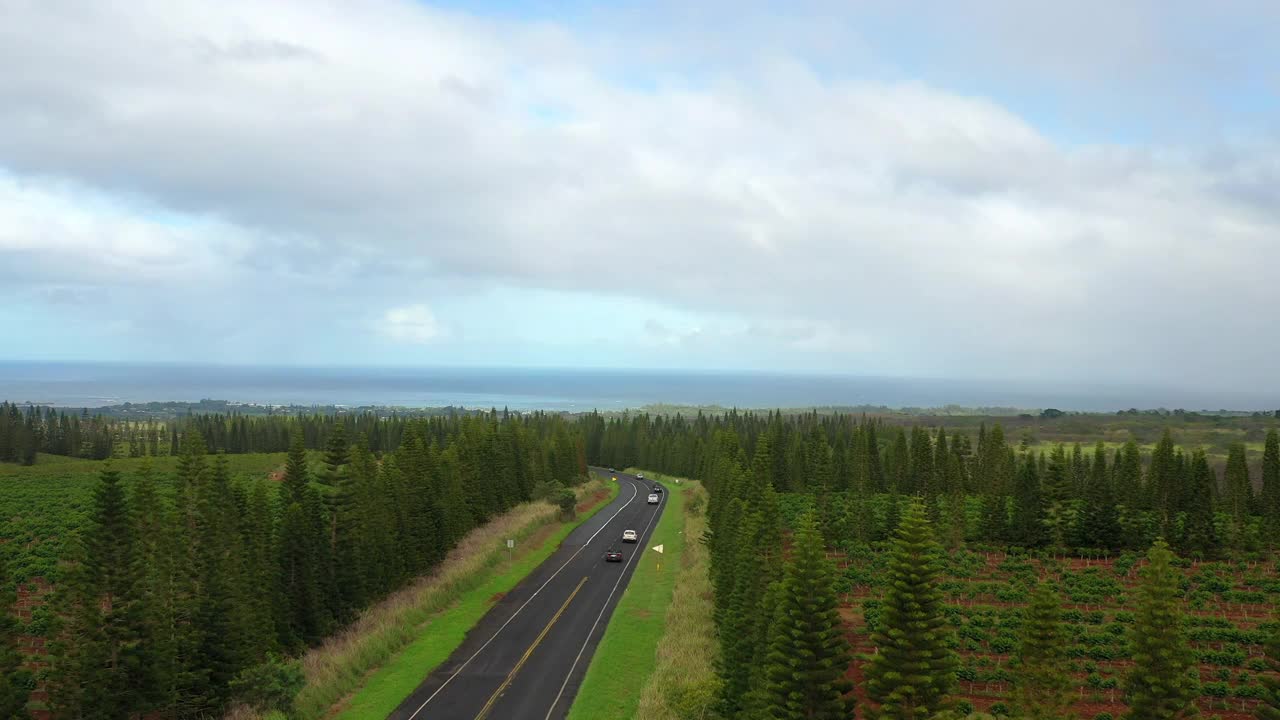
<point>653,498</point>
<point>628,536</point>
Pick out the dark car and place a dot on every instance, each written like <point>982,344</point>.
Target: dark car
<point>613,556</point>
<point>657,489</point>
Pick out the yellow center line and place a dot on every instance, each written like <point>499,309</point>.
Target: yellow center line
<point>525,658</point>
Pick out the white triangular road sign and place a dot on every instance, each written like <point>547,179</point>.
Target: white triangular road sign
<point>658,548</point>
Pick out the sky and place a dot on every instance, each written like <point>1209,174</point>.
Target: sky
<point>1075,192</point>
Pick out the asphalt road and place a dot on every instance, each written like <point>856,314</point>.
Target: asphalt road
<point>526,657</point>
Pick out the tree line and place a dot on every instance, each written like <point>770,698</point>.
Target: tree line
<point>783,648</point>
<point>977,488</point>
<point>181,593</point>
<point>26,431</point>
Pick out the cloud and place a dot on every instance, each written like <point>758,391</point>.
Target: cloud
<point>793,203</point>
<point>411,324</point>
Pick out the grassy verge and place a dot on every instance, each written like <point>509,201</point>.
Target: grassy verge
<point>439,625</point>
<point>683,685</point>
<point>650,635</point>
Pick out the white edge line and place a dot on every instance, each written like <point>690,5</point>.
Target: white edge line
<point>591,632</point>
<point>635,493</point>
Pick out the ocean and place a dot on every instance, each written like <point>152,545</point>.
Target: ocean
<point>77,385</point>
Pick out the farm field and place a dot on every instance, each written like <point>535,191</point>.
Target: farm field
<point>40,504</point>
<point>1228,607</point>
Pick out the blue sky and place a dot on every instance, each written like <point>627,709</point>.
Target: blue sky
<point>1077,192</point>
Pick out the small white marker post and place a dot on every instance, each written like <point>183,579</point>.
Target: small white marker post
<point>510,548</point>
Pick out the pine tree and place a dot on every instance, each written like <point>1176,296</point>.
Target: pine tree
<point>1199,537</point>
<point>296,476</point>
<point>913,670</point>
<point>1239,495</point>
<point>875,468</point>
<point>1162,482</point>
<point>1042,686</point>
<point>336,455</point>
<point>1027,526</point>
<point>14,688</point>
<point>263,604</point>
<point>302,546</point>
<point>993,527</point>
<point>808,653</point>
<point>1270,500</point>
<point>920,474</point>
<point>223,591</point>
<point>153,528</point>
<point>1162,684</point>
<point>98,661</point>
<point>1098,525</point>
<point>742,628</point>
<point>1128,477</point>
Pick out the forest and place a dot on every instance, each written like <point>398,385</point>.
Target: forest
<point>910,572</point>
<point>177,593</point>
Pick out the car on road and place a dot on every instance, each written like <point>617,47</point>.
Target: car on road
<point>639,476</point>
<point>657,489</point>
<point>613,556</point>
<point>612,470</point>
<point>653,498</point>
<point>628,536</point>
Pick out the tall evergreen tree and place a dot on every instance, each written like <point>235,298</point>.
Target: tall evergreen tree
<point>1239,493</point>
<point>302,546</point>
<point>1042,689</point>
<point>994,524</point>
<point>1199,537</point>
<point>1098,524</point>
<point>223,592</point>
<point>1162,482</point>
<point>1027,526</point>
<point>1162,684</point>
<point>1269,503</point>
<point>808,653</point>
<point>920,475</point>
<point>98,654</point>
<point>336,455</point>
<point>743,628</point>
<point>913,670</point>
<point>1128,477</point>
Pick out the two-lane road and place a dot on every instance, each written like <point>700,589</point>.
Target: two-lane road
<point>526,657</point>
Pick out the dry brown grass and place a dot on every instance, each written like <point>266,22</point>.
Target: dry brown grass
<point>337,667</point>
<point>683,683</point>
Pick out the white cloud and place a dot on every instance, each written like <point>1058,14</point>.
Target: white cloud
<point>887,225</point>
<point>411,324</point>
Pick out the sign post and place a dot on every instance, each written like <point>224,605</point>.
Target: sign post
<point>510,548</point>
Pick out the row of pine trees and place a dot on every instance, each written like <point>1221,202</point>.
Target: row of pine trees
<point>784,651</point>
<point>181,592</point>
<point>25,432</point>
<point>28,430</point>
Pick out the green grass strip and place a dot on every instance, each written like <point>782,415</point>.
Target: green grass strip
<point>627,653</point>
<point>389,685</point>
